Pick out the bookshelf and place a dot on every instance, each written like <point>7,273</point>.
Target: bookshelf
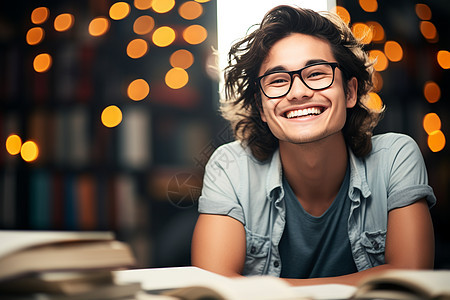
<point>88,176</point>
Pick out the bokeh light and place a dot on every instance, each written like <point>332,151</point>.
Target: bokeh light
<point>99,26</point>
<point>343,14</point>
<point>369,5</point>
<point>202,1</point>
<point>190,10</point>
<point>35,35</point>
<point>163,6</point>
<point>40,15</point>
<point>137,48</point>
<point>143,4</point>
<point>42,62</point>
<point>423,11</point>
<point>443,58</point>
<point>378,34</point>
<point>362,32</point>
<point>176,78</point>
<point>432,91</point>
<point>182,59</point>
<point>428,31</point>
<point>381,61</point>
<point>13,144</point>
<point>431,122</point>
<point>163,36</point>
<point>374,102</point>
<point>393,51</point>
<point>436,141</point>
<point>119,10</point>
<point>111,116</point>
<point>29,151</point>
<point>138,89</point>
<point>143,25</point>
<point>195,34</point>
<point>64,22</point>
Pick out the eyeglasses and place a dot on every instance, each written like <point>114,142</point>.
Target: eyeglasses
<point>317,76</point>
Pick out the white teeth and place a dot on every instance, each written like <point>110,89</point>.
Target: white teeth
<point>303,112</point>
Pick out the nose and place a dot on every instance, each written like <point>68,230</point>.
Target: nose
<point>298,89</point>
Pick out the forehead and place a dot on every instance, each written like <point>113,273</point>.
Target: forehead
<point>293,51</point>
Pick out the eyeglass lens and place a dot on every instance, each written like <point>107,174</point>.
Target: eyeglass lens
<point>315,77</point>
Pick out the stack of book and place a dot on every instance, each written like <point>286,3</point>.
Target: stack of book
<point>63,265</point>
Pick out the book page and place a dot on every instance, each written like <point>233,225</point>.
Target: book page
<point>168,278</point>
<point>14,240</point>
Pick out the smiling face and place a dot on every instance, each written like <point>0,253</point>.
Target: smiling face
<point>304,115</point>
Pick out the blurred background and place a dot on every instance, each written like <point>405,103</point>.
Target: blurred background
<point>109,109</point>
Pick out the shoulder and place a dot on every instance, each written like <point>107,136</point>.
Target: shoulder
<point>388,140</point>
<point>233,151</point>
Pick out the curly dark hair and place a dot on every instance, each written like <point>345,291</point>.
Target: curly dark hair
<point>242,103</point>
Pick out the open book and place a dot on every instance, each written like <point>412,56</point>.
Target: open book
<point>190,283</point>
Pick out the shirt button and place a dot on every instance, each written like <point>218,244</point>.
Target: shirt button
<point>276,264</point>
<point>253,250</point>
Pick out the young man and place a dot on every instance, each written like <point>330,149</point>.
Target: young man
<point>306,193</point>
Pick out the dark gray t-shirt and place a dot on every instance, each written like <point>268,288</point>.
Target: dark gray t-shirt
<point>314,247</point>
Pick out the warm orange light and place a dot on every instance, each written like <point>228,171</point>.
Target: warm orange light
<point>381,61</point>
<point>138,90</point>
<point>163,6</point>
<point>176,78</point>
<point>119,10</point>
<point>29,151</point>
<point>377,31</point>
<point>143,25</point>
<point>64,22</point>
<point>98,26</point>
<point>111,116</point>
<point>443,58</point>
<point>436,141</point>
<point>202,1</point>
<point>369,5</point>
<point>190,10</point>
<point>393,51</point>
<point>39,15</point>
<point>13,144</point>
<point>374,102</point>
<point>423,11</point>
<point>432,91</point>
<point>35,35</point>
<point>195,34</point>
<point>163,36</point>
<point>343,14</point>
<point>428,30</point>
<point>362,32</point>
<point>137,48</point>
<point>42,62</point>
<point>431,122</point>
<point>142,4</point>
<point>181,59</point>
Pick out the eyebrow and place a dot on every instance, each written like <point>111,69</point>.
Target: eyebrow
<point>280,68</point>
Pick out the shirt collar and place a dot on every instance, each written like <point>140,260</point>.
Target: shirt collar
<point>358,179</point>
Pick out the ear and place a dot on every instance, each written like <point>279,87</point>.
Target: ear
<point>352,92</point>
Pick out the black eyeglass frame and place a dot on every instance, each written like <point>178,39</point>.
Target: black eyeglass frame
<point>333,66</point>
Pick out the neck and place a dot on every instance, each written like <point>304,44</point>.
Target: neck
<point>315,171</point>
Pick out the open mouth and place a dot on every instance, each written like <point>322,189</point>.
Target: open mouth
<point>298,113</point>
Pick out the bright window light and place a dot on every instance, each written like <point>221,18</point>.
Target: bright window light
<point>235,17</point>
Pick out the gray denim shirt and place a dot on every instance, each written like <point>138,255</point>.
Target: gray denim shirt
<point>238,185</point>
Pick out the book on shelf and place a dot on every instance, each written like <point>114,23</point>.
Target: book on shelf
<point>191,283</point>
<point>63,265</point>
